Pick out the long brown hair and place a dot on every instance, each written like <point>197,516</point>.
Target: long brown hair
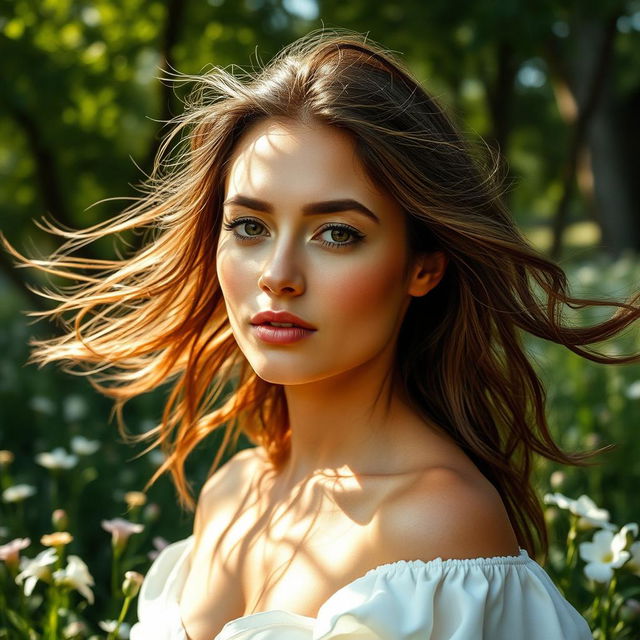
<point>159,314</point>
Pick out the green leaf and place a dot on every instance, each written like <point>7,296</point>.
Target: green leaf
<point>22,624</point>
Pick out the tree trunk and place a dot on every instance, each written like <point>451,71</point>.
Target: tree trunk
<point>591,66</point>
<point>614,188</point>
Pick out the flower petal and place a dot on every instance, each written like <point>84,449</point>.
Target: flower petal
<point>598,571</point>
<point>620,559</point>
<point>588,551</point>
<point>619,541</point>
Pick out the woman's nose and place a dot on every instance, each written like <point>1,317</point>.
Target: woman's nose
<point>281,274</point>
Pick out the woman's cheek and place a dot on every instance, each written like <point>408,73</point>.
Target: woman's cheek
<point>364,289</point>
<point>233,280</point>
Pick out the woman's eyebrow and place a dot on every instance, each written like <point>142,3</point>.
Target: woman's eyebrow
<point>327,206</point>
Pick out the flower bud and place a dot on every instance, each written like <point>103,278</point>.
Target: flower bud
<point>593,440</point>
<point>550,515</point>
<point>135,499</point>
<point>557,479</point>
<point>57,539</point>
<point>60,520</point>
<point>630,610</point>
<point>132,583</point>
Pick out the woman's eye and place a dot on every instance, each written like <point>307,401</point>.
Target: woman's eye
<point>251,227</point>
<point>338,234</point>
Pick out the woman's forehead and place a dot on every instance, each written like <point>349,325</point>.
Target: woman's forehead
<point>285,158</point>
<point>273,145</point>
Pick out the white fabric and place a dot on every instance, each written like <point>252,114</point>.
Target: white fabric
<point>499,598</point>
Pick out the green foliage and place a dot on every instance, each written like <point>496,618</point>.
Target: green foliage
<point>596,565</point>
<point>41,410</point>
<point>82,104</point>
<point>591,405</point>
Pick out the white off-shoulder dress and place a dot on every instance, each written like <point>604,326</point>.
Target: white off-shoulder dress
<point>498,598</point>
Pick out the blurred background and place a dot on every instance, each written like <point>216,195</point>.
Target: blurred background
<point>553,85</point>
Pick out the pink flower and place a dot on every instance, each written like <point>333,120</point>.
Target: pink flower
<point>10,552</point>
<point>120,530</point>
<point>159,543</point>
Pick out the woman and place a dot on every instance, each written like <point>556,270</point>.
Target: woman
<point>336,273</point>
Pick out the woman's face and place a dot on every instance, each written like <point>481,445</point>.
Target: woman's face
<point>337,265</point>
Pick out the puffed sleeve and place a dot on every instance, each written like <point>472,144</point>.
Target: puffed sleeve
<point>499,598</point>
<point>158,600</point>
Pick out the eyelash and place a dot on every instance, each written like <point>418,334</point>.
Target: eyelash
<point>230,226</point>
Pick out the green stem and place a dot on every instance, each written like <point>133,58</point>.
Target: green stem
<point>22,601</point>
<point>595,607</point>
<point>565,580</point>
<point>606,613</point>
<point>123,612</point>
<point>59,556</point>
<point>5,478</point>
<point>134,514</point>
<point>3,609</point>
<point>571,543</point>
<point>55,493</point>
<point>52,626</point>
<point>20,524</point>
<point>115,572</point>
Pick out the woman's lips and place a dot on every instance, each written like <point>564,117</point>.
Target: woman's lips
<point>280,335</point>
<point>280,316</point>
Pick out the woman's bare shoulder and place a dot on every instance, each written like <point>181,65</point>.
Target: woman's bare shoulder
<point>224,485</point>
<point>448,513</point>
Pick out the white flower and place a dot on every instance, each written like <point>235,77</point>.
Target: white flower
<point>156,457</point>
<point>74,407</point>
<point>74,629</point>
<point>584,507</point>
<point>57,459</point>
<point>146,425</point>
<point>77,576</point>
<point>606,552</point>
<point>36,569</point>
<point>627,533</point>
<point>83,446</point>
<point>586,274</point>
<point>634,561</point>
<point>18,492</point>
<point>110,625</point>
<point>42,404</point>
<point>633,390</point>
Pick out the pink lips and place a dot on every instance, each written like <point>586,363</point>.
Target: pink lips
<point>280,335</point>
<point>265,317</point>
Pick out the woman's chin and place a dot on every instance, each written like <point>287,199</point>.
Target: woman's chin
<point>283,373</point>
<point>280,377</point>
